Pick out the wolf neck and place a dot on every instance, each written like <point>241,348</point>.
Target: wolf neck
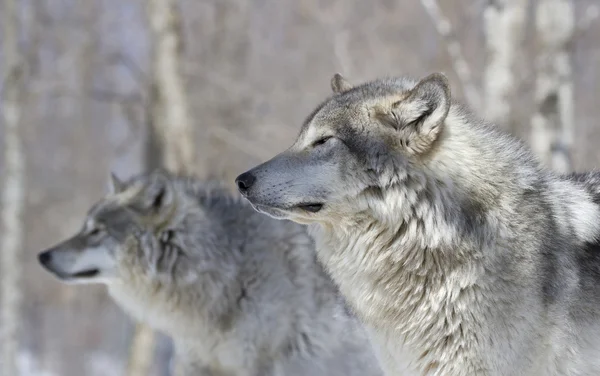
<point>411,262</point>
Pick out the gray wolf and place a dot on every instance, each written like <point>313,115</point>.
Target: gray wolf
<point>239,293</point>
<point>457,250</point>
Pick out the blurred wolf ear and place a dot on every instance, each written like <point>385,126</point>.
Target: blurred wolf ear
<point>115,185</point>
<point>339,84</point>
<point>419,114</point>
<point>159,193</point>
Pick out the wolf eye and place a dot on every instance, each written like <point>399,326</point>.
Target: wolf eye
<point>321,141</point>
<point>95,231</point>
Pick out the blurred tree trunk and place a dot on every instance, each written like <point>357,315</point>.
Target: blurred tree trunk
<point>504,26</point>
<point>171,132</point>
<point>170,141</point>
<point>13,196</point>
<point>552,124</point>
<point>142,351</point>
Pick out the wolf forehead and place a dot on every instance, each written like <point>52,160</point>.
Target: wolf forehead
<point>340,107</point>
<point>113,214</point>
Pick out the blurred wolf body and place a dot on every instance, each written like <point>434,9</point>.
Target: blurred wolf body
<point>239,293</point>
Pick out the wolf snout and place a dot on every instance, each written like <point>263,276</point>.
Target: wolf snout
<point>244,182</point>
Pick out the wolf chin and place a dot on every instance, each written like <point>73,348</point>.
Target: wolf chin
<point>458,251</point>
<point>239,293</point>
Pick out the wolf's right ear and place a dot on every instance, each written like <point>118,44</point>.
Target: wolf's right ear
<point>115,185</point>
<point>339,84</point>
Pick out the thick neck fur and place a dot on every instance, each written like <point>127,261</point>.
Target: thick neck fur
<point>411,259</point>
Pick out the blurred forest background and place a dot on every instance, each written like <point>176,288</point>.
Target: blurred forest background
<point>216,86</point>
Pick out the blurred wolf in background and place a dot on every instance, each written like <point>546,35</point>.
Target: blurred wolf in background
<point>239,293</point>
<point>459,252</point>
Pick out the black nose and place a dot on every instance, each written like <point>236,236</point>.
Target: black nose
<point>244,182</point>
<point>45,257</point>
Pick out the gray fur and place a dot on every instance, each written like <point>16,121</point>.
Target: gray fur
<point>458,251</point>
<point>239,293</point>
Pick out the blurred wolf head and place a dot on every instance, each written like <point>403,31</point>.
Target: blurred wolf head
<point>126,225</point>
<point>153,226</point>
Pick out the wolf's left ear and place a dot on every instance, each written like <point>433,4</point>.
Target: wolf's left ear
<point>160,194</point>
<point>339,84</point>
<point>419,115</point>
<point>115,184</point>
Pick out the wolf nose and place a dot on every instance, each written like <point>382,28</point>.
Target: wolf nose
<point>45,257</point>
<point>244,182</point>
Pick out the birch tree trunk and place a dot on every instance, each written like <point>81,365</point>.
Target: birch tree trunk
<point>171,136</point>
<point>504,25</point>
<point>552,124</point>
<point>169,111</point>
<point>13,193</point>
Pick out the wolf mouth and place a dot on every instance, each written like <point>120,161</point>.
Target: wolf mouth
<point>311,207</point>
<point>86,274</point>
<point>283,212</point>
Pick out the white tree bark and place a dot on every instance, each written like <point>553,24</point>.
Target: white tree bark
<point>459,63</point>
<point>13,194</point>
<point>552,124</point>
<point>504,24</point>
<point>170,114</point>
<point>142,351</point>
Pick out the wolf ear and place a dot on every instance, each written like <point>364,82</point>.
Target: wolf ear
<point>419,115</point>
<point>115,184</point>
<point>159,193</point>
<point>339,84</point>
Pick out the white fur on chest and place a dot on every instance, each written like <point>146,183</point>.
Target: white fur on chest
<point>417,320</point>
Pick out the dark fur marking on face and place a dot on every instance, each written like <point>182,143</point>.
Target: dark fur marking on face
<point>121,222</point>
<point>360,146</point>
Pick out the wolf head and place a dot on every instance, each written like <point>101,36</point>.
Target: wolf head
<point>125,226</point>
<point>361,138</point>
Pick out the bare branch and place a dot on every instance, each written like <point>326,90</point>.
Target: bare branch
<point>459,63</point>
